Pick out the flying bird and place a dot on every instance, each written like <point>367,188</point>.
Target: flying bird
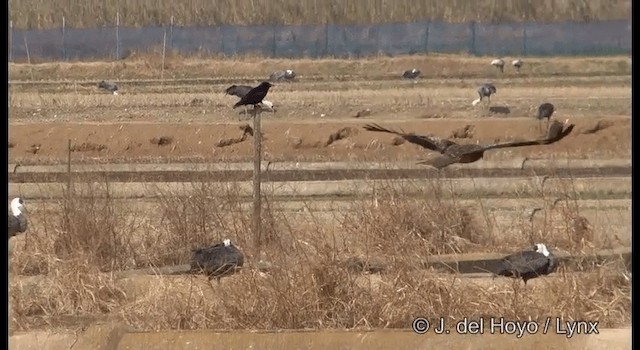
<point>545,111</point>
<point>517,63</point>
<point>411,74</point>
<point>109,86</point>
<point>485,90</point>
<point>217,261</point>
<point>17,217</point>
<point>286,75</point>
<point>498,63</point>
<point>255,95</point>
<point>528,264</point>
<point>452,152</point>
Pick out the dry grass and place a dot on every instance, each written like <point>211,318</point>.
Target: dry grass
<point>249,68</point>
<point>77,246</point>
<point>33,14</point>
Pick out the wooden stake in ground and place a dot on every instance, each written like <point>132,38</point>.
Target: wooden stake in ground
<point>257,160</point>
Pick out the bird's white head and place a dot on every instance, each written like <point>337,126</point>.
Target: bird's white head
<point>542,249</point>
<point>227,242</point>
<point>289,71</point>
<point>267,103</point>
<point>475,102</point>
<point>115,93</point>
<point>17,205</point>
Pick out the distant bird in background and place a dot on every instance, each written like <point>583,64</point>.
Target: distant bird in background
<point>528,264</point>
<point>17,217</point>
<point>255,95</point>
<point>485,90</point>
<point>498,63</point>
<point>283,75</point>
<point>452,152</point>
<point>411,74</point>
<point>109,86</point>
<point>517,63</point>
<point>217,261</point>
<point>545,111</point>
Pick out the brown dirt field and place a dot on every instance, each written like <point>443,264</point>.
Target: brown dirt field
<point>112,142</point>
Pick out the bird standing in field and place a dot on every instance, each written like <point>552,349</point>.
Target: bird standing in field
<point>286,75</point>
<point>109,86</point>
<point>517,63</point>
<point>411,74</point>
<point>452,152</point>
<point>217,261</point>
<point>255,95</point>
<point>528,264</point>
<point>485,90</point>
<point>498,63</point>
<point>17,217</point>
<point>545,111</point>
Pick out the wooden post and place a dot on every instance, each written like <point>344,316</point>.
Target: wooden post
<point>164,50</point>
<point>257,159</point>
<point>10,41</point>
<point>69,168</point>
<point>118,35</point>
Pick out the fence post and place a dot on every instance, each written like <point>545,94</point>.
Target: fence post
<point>10,41</point>
<point>257,160</point>
<point>64,51</point>
<point>426,38</point>
<point>117,35</point>
<point>274,42</point>
<point>171,34</point>
<point>472,48</point>
<point>326,39</point>
<point>164,50</point>
<point>524,39</point>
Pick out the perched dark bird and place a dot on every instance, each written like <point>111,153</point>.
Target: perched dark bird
<point>217,261</point>
<point>452,152</point>
<point>545,111</point>
<point>109,86</point>
<point>485,90</point>
<point>17,217</point>
<point>498,63</point>
<point>286,75</point>
<point>517,63</point>
<point>528,264</point>
<point>255,95</point>
<point>411,74</point>
<point>238,90</point>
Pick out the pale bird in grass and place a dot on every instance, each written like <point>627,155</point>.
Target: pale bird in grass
<point>517,63</point>
<point>498,63</point>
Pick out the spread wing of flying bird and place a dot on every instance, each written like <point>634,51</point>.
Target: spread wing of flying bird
<point>452,152</point>
<point>430,142</point>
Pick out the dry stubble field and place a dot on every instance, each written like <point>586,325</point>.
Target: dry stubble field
<point>65,279</point>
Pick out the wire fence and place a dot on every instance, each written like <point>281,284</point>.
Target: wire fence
<point>330,40</point>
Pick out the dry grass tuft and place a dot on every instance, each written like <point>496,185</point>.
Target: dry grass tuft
<point>394,224</point>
